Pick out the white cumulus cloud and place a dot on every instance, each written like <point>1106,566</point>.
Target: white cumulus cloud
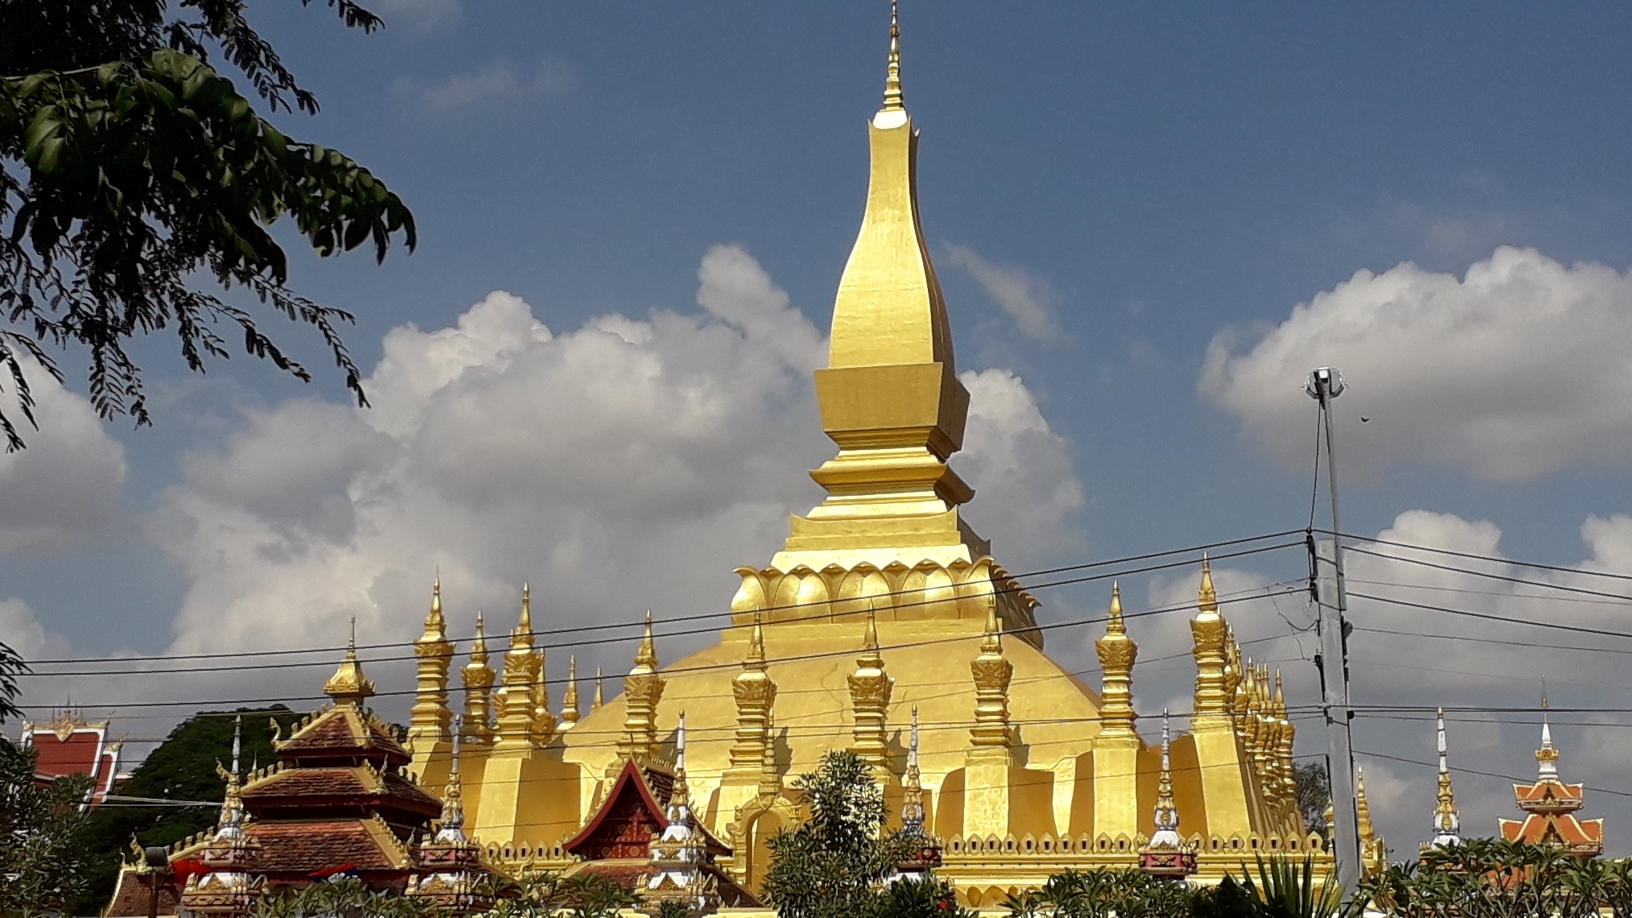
<point>1519,368</point>
<point>631,463</point>
<point>499,82</point>
<point>67,485</point>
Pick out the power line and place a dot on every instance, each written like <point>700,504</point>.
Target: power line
<point>711,615</point>
<point>1474,771</point>
<point>709,667</point>
<point>665,634</point>
<point>1478,557</point>
<point>1581,629</point>
<point>1490,576</point>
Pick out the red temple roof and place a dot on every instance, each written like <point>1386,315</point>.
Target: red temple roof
<point>71,745</point>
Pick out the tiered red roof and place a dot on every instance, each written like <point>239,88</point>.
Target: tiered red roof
<point>70,745</point>
<point>617,841</point>
<point>1551,805</point>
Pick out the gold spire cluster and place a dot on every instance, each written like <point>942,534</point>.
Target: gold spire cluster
<point>870,690</point>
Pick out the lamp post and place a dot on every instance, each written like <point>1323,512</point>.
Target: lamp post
<point>157,860</point>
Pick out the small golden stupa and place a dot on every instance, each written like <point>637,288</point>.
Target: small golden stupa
<point>882,600</point>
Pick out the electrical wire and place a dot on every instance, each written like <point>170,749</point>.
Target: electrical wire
<point>733,664</point>
<point>330,649</point>
<point>1478,557</point>
<point>1485,616</point>
<point>668,634</point>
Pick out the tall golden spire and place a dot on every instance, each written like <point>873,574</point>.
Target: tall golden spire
<point>991,735</point>
<point>1117,653</point>
<point>543,726</point>
<point>348,685</point>
<point>569,700</point>
<point>643,689</point>
<point>478,678</point>
<point>1208,629</point>
<point>870,690</point>
<point>890,397</point>
<point>430,718</point>
<point>755,694</point>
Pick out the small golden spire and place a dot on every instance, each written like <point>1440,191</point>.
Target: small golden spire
<point>991,735</point>
<point>1208,596</point>
<point>478,647</point>
<point>892,81</point>
<point>1208,631</point>
<point>478,678</point>
<point>870,691</point>
<point>681,795</point>
<point>1362,808</point>
<point>993,642</point>
<point>1117,653</point>
<point>642,689</point>
<point>647,654</point>
<point>598,700</point>
<point>348,685</point>
<point>436,603</point>
<point>756,645</point>
<point>569,701</point>
<point>523,635</point>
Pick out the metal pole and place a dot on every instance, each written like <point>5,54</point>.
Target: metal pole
<point>1324,385</point>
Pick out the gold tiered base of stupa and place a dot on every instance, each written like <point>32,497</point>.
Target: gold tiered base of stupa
<point>883,602</point>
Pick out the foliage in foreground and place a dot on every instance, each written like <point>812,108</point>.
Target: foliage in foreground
<point>1486,878</point>
<point>137,187</point>
<point>348,897</point>
<point>546,895</point>
<point>833,865</point>
<point>1283,888</point>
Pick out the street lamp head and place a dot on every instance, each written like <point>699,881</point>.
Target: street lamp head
<point>1327,378</point>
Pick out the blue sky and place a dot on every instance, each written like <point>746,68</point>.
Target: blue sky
<point>1109,191</point>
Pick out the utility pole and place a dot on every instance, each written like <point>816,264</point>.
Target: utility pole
<point>1331,598</point>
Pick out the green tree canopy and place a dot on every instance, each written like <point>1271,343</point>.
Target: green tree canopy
<point>181,768</point>
<point>832,865</point>
<point>137,187</point>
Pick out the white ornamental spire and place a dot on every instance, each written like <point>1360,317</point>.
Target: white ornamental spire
<point>1446,821</point>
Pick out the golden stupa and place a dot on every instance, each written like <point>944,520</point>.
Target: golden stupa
<point>882,600</point>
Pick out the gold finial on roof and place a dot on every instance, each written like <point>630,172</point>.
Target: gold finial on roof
<point>348,685</point>
<point>892,81</point>
<point>478,646</point>
<point>869,639</point>
<point>597,701</point>
<point>1113,619</point>
<point>1208,597</point>
<point>436,602</point>
<point>522,637</point>
<point>993,631</point>
<point>646,656</point>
